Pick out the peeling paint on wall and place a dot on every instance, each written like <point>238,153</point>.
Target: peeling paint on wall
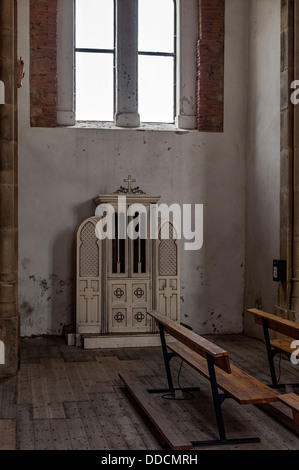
<point>47,305</point>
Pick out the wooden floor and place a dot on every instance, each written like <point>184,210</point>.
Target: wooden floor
<point>69,398</point>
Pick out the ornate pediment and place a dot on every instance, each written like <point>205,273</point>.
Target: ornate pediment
<point>129,189</point>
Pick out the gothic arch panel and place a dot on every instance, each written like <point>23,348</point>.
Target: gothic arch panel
<point>88,278</point>
<point>89,251</point>
<point>168,279</point>
<point>167,250</point>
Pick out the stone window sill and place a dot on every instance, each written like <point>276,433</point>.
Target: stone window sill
<point>143,127</point>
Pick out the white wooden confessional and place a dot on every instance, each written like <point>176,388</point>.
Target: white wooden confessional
<point>119,278</point>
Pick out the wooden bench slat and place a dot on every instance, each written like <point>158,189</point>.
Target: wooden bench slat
<point>238,385</point>
<point>292,401</point>
<point>155,413</point>
<point>278,324</point>
<point>197,343</point>
<point>283,345</point>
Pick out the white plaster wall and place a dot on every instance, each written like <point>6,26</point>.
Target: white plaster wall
<point>263,162</point>
<point>62,170</point>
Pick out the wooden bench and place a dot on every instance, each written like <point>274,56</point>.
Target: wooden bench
<point>291,400</point>
<point>154,411</point>
<point>212,362</point>
<point>287,328</point>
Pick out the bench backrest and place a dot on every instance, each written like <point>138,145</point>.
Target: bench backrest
<point>275,323</point>
<point>195,342</point>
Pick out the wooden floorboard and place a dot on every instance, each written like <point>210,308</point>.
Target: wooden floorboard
<point>9,398</point>
<point>60,434</point>
<point>76,429</point>
<point>68,398</point>
<point>93,427</point>
<point>42,434</point>
<point>123,419</point>
<point>143,429</point>
<point>25,427</point>
<point>7,434</point>
<point>109,422</point>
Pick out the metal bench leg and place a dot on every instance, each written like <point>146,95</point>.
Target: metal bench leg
<point>218,399</point>
<point>270,353</point>
<point>167,358</point>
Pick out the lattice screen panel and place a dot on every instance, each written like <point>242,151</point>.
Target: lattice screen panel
<point>89,252</point>
<point>167,251</point>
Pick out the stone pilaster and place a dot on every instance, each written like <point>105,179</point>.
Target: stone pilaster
<point>9,320</point>
<point>286,153</point>
<point>295,278</point>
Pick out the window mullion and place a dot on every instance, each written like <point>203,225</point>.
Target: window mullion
<point>187,33</point>
<point>126,112</point>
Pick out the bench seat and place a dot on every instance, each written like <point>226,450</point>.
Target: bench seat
<point>238,385</point>
<point>290,331</point>
<point>283,345</point>
<point>291,400</point>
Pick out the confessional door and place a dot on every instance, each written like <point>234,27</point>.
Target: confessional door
<point>130,278</point>
<point>119,279</point>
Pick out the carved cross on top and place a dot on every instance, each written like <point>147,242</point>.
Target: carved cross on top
<point>129,181</point>
<point>129,189</point>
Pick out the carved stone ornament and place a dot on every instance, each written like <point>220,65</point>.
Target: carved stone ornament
<point>139,317</point>
<point>129,189</point>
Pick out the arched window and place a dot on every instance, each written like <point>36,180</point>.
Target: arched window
<point>198,78</point>
<point>125,60</point>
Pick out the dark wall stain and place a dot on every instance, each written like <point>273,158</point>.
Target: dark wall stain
<point>26,308</point>
<point>25,263</point>
<point>259,302</point>
<point>53,278</point>
<point>54,283</point>
<point>44,286</point>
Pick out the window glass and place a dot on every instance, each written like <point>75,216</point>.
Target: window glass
<point>156,25</point>
<point>95,24</point>
<point>94,87</point>
<point>156,74</point>
<point>156,89</point>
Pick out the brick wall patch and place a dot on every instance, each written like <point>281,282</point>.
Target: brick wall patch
<point>43,63</point>
<point>210,66</point>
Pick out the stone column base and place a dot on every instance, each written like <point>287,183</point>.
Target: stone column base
<point>9,335</point>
